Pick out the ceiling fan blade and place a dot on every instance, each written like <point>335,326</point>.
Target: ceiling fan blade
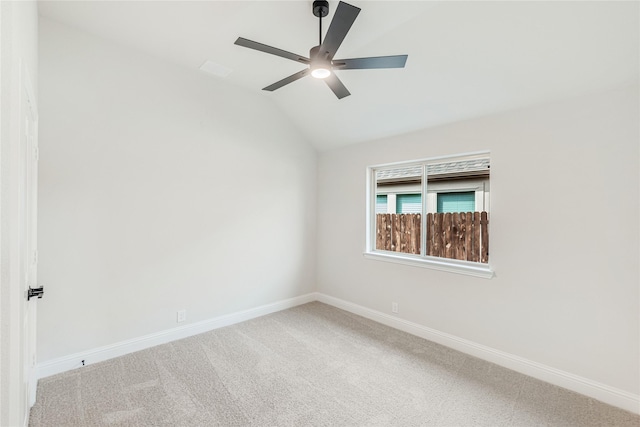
<point>272,50</point>
<point>287,80</point>
<point>337,86</point>
<point>339,27</point>
<point>395,61</point>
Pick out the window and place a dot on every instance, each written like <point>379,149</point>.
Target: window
<point>381,203</point>
<point>409,203</point>
<point>432,213</point>
<point>463,201</point>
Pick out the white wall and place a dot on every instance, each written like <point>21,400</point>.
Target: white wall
<point>564,237</point>
<point>161,188</point>
<point>18,51</point>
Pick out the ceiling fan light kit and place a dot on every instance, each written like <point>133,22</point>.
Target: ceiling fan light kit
<point>320,63</point>
<point>320,72</point>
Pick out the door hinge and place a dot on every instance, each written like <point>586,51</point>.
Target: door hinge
<point>35,292</point>
<point>35,257</point>
<point>36,153</point>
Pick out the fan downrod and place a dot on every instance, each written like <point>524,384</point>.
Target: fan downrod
<point>320,8</point>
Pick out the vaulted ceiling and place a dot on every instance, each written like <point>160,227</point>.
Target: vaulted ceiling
<point>466,59</point>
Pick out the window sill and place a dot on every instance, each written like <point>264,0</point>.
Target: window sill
<point>443,264</point>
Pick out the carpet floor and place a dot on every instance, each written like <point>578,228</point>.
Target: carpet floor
<point>312,365</point>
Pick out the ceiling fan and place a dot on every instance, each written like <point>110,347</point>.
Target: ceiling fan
<point>321,63</point>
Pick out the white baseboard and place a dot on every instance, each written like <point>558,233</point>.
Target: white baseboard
<point>604,393</point>
<point>72,361</point>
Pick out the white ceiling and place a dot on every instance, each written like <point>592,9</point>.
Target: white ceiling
<point>466,59</point>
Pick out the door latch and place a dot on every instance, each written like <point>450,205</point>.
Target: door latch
<point>35,292</point>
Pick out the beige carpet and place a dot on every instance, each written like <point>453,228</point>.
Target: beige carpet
<point>312,365</point>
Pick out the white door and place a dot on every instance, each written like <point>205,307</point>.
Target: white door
<point>28,192</point>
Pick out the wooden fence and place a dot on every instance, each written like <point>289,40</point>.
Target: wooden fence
<point>398,232</point>
<point>459,235</point>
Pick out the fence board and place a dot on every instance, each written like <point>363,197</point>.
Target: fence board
<point>460,237</point>
<point>403,234</point>
<point>454,237</point>
<point>416,235</point>
<point>446,224</point>
<point>438,235</point>
<point>476,236</point>
<point>468,241</point>
<point>395,233</point>
<point>379,233</point>
<point>458,247</point>
<point>484,224</point>
<point>429,241</point>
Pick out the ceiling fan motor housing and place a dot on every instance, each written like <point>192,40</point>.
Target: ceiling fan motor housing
<point>320,8</point>
<point>320,65</point>
<point>317,56</point>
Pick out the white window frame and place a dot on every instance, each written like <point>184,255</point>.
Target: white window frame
<point>437,263</point>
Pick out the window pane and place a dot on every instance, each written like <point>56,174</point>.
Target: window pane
<point>457,222</point>
<point>398,223</point>
<point>457,202</point>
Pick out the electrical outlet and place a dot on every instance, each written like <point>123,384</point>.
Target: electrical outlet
<point>182,315</point>
<point>394,307</point>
